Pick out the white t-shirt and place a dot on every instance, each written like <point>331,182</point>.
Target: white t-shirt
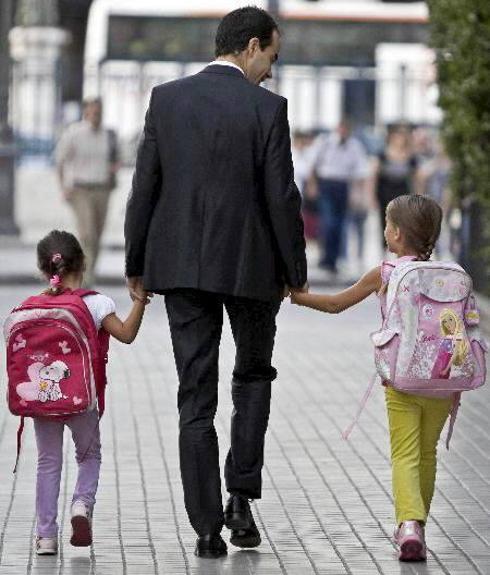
<point>99,306</point>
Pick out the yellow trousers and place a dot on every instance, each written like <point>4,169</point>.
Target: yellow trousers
<point>415,424</point>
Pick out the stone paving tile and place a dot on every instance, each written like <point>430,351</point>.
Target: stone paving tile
<point>327,505</point>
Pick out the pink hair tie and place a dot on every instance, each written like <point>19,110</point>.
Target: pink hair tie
<point>55,281</point>
<point>56,258</point>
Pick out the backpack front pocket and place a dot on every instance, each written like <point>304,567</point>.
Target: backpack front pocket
<point>386,344</point>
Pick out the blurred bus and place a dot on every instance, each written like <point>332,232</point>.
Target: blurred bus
<point>335,60</point>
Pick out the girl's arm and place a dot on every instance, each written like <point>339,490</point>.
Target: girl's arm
<point>125,331</point>
<point>369,283</point>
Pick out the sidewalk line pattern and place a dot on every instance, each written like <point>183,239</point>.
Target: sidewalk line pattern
<point>64,500</point>
<point>161,447</point>
<point>31,546</point>
<point>326,507</point>
<point>351,481</point>
<point>118,494</point>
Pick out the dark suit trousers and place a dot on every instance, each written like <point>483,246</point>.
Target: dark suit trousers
<point>196,319</point>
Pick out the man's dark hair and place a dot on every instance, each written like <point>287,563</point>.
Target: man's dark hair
<point>238,27</point>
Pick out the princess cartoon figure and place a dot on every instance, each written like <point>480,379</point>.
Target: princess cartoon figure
<point>453,348</point>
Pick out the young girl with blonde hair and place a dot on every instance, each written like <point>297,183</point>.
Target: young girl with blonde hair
<point>413,224</point>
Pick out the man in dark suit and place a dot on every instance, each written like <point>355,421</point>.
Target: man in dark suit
<point>213,222</point>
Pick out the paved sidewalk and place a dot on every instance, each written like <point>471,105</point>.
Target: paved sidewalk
<point>326,506</point>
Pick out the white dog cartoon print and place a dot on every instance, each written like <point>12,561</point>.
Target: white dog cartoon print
<point>44,384</point>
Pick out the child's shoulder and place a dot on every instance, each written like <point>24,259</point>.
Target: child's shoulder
<point>99,302</point>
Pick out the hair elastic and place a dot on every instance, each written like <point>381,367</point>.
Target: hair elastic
<point>55,281</point>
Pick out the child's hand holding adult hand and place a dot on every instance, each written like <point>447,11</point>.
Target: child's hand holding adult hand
<point>296,294</point>
<point>148,295</point>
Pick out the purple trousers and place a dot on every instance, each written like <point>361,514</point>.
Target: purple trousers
<point>49,438</point>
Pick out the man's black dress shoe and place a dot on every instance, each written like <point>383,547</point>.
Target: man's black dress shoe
<point>239,518</point>
<point>210,546</point>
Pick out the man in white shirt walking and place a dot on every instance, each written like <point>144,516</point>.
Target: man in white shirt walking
<point>87,162</point>
<point>339,162</point>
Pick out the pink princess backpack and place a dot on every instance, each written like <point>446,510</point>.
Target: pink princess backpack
<point>429,342</point>
<point>55,357</point>
<point>430,339</point>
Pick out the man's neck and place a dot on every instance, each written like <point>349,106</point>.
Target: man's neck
<point>232,60</point>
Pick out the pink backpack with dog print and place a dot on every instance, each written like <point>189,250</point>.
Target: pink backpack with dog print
<point>55,357</point>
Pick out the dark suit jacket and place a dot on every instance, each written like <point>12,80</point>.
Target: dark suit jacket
<point>213,204</point>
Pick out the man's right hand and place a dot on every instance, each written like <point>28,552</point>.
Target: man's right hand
<point>136,289</point>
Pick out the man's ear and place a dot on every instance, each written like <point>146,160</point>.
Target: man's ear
<point>253,45</point>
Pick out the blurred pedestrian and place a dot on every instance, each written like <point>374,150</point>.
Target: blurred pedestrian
<point>301,152</point>
<point>395,170</point>
<point>213,222</point>
<point>434,182</point>
<point>87,162</point>
<point>360,203</point>
<point>339,162</point>
<point>423,144</point>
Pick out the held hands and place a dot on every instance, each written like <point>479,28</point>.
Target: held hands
<point>136,290</point>
<point>296,293</point>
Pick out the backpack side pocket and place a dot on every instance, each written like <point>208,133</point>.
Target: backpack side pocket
<point>386,343</point>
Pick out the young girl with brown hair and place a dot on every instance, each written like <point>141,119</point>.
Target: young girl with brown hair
<point>62,263</point>
<point>413,224</point>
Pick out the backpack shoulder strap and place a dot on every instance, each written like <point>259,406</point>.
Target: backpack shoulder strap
<point>452,417</point>
<point>399,273</point>
<point>103,341</point>
<point>362,405</point>
<point>387,268</point>
<point>103,350</point>
<point>19,441</point>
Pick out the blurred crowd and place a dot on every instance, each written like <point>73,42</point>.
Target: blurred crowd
<point>347,176</point>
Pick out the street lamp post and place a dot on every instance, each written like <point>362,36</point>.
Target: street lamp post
<point>7,149</point>
<point>273,8</point>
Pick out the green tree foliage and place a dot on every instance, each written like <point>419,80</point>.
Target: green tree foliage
<point>460,33</point>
